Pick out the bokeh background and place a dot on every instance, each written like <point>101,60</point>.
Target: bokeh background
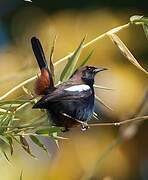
<point>71,21</point>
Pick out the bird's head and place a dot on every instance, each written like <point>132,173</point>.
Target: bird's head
<point>87,74</point>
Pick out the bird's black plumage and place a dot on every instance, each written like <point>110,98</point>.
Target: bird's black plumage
<point>71,102</point>
<point>39,53</point>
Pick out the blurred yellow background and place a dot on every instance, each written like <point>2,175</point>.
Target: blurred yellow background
<point>77,155</point>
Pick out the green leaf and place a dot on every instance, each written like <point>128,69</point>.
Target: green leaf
<point>125,51</point>
<point>4,139</point>
<point>3,153</point>
<point>10,144</point>
<point>51,58</point>
<point>136,19</point>
<point>145,28</point>
<point>4,117</point>
<point>5,122</point>
<point>25,145</point>
<point>71,64</point>
<point>37,142</point>
<point>56,137</point>
<point>44,131</point>
<point>6,156</point>
<point>14,138</point>
<point>4,111</point>
<point>14,102</point>
<point>84,61</point>
<point>48,131</point>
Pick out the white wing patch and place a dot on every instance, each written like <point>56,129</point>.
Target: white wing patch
<point>78,88</point>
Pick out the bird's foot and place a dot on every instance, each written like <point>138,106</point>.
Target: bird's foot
<point>84,125</point>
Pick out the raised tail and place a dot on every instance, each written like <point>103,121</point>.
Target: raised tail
<point>39,53</point>
<point>45,80</point>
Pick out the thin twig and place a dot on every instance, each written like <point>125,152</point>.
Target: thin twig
<point>17,87</point>
<point>39,135</point>
<point>142,118</point>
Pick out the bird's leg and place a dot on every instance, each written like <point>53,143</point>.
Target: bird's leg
<point>84,125</point>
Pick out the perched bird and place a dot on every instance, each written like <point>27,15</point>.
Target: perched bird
<point>71,103</point>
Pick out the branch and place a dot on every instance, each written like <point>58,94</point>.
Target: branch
<point>114,30</point>
<point>137,119</point>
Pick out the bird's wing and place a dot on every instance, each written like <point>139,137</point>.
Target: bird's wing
<point>66,92</point>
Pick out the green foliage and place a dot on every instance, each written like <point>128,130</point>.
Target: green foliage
<point>85,60</point>
<point>37,142</point>
<point>48,131</point>
<point>25,145</point>
<point>71,64</point>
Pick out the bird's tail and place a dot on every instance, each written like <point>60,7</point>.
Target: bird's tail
<point>45,80</point>
<point>39,53</point>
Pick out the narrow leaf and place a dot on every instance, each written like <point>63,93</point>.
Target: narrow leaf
<point>102,87</point>
<point>3,153</point>
<point>57,144</point>
<point>125,51</point>
<point>44,131</point>
<point>6,156</point>
<point>4,111</point>
<point>14,138</point>
<point>37,142</point>
<point>4,139</point>
<point>71,64</point>
<point>14,102</point>
<point>4,117</point>
<point>5,122</point>
<point>136,19</point>
<point>25,145</point>
<point>48,131</point>
<point>28,92</point>
<point>56,137</point>
<point>51,57</point>
<point>10,145</point>
<point>84,61</point>
<point>98,99</point>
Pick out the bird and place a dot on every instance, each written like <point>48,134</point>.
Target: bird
<point>71,103</point>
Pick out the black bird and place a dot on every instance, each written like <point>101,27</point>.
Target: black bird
<point>71,103</point>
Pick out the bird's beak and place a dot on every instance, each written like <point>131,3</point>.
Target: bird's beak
<point>99,70</point>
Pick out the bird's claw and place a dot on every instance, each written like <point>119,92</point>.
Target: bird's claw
<point>84,126</point>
